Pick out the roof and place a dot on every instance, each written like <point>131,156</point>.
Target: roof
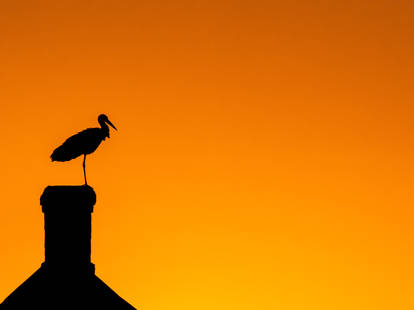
<point>52,290</point>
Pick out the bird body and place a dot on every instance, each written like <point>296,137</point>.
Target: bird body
<point>83,143</point>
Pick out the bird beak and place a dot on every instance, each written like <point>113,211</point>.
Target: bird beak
<point>110,124</point>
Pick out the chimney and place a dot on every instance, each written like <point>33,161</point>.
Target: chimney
<point>66,280</point>
<point>67,211</point>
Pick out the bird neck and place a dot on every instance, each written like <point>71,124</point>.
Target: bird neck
<point>105,129</point>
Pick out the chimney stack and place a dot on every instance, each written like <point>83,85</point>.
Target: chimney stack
<point>67,211</point>
<point>66,279</point>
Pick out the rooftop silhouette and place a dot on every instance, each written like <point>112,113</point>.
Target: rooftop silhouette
<point>66,279</point>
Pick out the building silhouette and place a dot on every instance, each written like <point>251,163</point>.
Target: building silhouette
<point>66,279</point>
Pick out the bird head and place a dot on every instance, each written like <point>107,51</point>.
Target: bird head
<point>102,119</point>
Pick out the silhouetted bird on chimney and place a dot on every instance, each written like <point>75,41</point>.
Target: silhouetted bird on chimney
<point>83,143</point>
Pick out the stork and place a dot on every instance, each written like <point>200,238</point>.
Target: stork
<point>83,143</point>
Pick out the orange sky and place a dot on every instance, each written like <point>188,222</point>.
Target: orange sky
<point>263,158</point>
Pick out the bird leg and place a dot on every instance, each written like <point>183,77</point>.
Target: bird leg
<point>84,170</point>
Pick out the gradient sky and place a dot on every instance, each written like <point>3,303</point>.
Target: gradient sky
<point>263,158</point>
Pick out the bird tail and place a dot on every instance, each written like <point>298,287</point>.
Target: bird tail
<point>61,154</point>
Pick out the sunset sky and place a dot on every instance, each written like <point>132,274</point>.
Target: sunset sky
<point>263,158</point>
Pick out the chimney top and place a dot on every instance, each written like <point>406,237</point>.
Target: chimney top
<point>68,198</point>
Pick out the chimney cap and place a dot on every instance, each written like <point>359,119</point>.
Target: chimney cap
<point>68,198</point>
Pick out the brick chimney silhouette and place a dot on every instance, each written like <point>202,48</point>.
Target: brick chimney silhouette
<point>67,211</point>
<point>66,279</point>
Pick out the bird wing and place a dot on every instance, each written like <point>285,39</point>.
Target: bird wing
<point>83,142</point>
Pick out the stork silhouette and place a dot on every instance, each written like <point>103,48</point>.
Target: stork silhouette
<point>83,143</point>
